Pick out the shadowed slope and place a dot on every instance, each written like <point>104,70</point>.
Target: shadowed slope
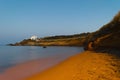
<point>107,37</point>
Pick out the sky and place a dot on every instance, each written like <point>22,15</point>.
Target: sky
<point>20,19</point>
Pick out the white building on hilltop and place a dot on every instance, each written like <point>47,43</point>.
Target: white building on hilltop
<point>33,37</point>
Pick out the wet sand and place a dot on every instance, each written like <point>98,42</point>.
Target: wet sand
<point>26,69</point>
<point>85,66</point>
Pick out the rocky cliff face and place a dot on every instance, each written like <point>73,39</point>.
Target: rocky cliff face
<point>106,37</point>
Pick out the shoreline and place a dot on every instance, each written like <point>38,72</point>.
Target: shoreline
<point>29,68</point>
<point>86,65</point>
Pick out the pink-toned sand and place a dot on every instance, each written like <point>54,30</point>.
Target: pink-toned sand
<point>26,69</point>
<point>85,66</point>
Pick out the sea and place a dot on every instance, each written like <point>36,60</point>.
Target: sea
<point>13,55</point>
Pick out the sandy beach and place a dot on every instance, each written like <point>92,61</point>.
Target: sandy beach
<point>84,66</point>
<point>60,40</point>
<point>29,68</point>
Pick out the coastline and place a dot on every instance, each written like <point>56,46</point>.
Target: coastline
<point>26,68</point>
<point>84,66</point>
<point>29,68</point>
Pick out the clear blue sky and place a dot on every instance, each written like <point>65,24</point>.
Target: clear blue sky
<point>19,19</point>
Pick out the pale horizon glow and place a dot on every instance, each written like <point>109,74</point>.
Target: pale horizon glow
<point>20,19</point>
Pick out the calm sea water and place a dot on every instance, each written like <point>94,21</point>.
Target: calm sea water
<point>12,55</point>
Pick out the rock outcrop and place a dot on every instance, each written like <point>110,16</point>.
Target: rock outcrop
<point>107,37</point>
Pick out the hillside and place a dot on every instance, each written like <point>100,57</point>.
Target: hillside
<point>107,37</point>
<point>63,40</point>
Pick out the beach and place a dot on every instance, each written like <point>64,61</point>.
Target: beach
<point>29,68</point>
<point>88,65</point>
<point>20,62</point>
<point>60,40</point>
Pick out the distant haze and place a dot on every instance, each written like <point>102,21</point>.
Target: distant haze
<point>20,19</point>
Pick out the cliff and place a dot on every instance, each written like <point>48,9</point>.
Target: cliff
<point>107,37</point>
